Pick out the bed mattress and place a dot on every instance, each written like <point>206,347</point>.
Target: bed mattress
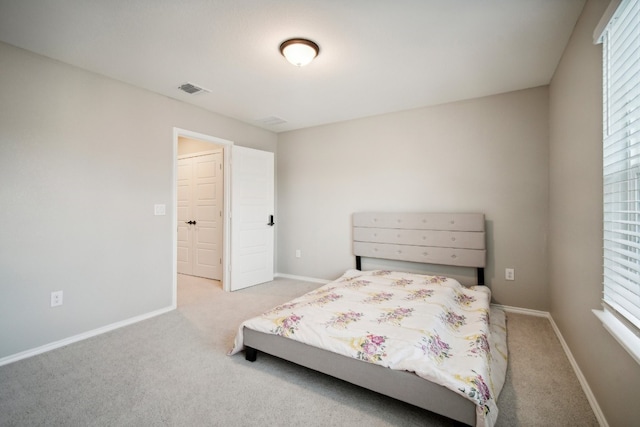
<point>429,325</point>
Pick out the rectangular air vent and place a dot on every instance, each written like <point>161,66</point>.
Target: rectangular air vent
<point>192,89</point>
<point>271,121</point>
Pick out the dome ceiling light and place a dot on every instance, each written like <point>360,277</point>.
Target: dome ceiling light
<point>299,51</point>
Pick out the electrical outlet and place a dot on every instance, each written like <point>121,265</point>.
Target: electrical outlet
<point>298,253</point>
<point>56,298</point>
<point>509,274</point>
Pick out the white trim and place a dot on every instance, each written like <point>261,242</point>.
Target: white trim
<point>226,251</point>
<point>525,311</point>
<point>83,336</point>
<point>604,21</point>
<point>625,337</point>
<point>583,381</point>
<point>528,312</point>
<point>576,369</point>
<point>302,278</point>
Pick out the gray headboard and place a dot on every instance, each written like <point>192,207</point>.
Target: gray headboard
<point>432,238</point>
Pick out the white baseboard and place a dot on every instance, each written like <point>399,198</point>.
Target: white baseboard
<point>525,311</point>
<point>302,278</point>
<point>583,381</point>
<point>83,336</point>
<point>576,369</point>
<point>48,347</point>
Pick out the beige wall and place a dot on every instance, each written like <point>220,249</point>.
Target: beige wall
<point>83,159</point>
<point>575,212</point>
<point>485,155</point>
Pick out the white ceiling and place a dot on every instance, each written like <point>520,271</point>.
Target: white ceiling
<point>376,56</point>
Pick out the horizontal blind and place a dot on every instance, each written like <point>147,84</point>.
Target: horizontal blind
<point>621,162</point>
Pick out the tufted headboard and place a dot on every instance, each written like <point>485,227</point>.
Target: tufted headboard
<point>456,239</point>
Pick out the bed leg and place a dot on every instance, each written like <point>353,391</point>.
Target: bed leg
<point>250,354</point>
<point>480,276</point>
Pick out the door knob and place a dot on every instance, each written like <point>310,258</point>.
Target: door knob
<point>190,222</point>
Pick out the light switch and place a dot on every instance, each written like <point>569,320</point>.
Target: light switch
<point>159,209</point>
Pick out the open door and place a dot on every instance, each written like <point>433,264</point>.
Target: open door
<point>252,221</point>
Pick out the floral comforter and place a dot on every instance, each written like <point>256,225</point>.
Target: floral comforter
<point>430,325</point>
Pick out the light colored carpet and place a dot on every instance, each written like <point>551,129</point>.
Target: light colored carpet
<point>173,370</point>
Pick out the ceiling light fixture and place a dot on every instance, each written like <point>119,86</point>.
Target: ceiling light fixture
<point>299,51</point>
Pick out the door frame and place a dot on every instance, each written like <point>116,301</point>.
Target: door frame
<point>226,229</point>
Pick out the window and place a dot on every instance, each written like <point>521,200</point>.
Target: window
<point>621,174</point>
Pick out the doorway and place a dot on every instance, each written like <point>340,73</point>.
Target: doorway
<point>197,142</point>
<point>253,238</point>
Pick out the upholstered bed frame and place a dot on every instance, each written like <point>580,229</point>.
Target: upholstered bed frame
<point>433,238</point>
<point>429,238</point>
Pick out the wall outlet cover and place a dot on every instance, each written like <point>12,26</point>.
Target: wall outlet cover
<point>509,274</point>
<point>56,298</point>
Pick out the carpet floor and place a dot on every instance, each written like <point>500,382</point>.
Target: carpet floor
<point>172,370</point>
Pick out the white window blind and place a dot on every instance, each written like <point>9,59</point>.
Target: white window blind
<point>621,164</point>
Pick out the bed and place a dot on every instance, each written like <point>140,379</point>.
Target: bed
<point>419,338</point>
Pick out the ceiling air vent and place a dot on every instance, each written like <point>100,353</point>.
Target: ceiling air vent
<point>192,89</point>
<point>271,121</point>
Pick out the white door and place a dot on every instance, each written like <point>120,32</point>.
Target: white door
<point>207,216</point>
<point>185,231</point>
<point>200,221</point>
<point>252,210</point>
